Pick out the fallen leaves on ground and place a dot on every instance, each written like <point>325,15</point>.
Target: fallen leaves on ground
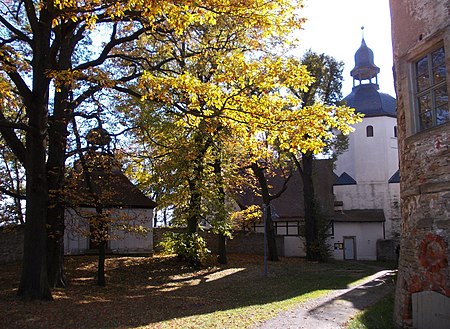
<point>161,292</point>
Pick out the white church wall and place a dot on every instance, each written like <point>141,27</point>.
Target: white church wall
<point>392,211</point>
<point>346,161</point>
<point>371,159</point>
<point>364,196</point>
<point>373,196</point>
<point>376,160</point>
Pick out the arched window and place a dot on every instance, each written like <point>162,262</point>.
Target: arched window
<point>395,131</point>
<point>369,131</point>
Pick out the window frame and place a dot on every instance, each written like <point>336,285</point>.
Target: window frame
<point>430,90</point>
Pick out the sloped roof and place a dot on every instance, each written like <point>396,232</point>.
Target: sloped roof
<point>395,178</point>
<point>345,179</point>
<point>360,215</point>
<point>366,99</point>
<point>109,185</point>
<point>290,205</point>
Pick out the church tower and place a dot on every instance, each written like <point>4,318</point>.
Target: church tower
<point>367,185</point>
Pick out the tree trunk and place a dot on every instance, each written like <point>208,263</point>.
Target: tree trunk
<point>55,247</point>
<point>34,282</point>
<point>55,171</point>
<point>55,174</point>
<point>311,233</point>
<point>222,239</point>
<point>195,183</point>
<point>194,205</point>
<point>101,281</point>
<point>222,249</point>
<point>270,230</point>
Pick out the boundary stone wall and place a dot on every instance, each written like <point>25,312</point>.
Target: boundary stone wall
<point>11,244</point>
<point>243,242</point>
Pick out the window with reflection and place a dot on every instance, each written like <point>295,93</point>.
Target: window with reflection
<point>431,90</point>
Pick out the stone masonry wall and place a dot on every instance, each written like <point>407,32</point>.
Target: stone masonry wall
<point>419,26</point>
<point>11,244</point>
<point>242,242</point>
<point>424,256</point>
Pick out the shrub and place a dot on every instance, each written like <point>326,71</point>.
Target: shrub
<point>189,247</point>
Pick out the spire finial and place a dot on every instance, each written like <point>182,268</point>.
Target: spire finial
<point>362,31</point>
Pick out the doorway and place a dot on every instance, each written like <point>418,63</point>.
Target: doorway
<point>349,248</point>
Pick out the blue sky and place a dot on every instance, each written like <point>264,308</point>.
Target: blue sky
<point>334,28</point>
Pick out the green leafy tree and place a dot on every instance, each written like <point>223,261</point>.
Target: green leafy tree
<point>226,88</point>
<point>47,58</point>
<point>213,101</point>
<point>326,89</point>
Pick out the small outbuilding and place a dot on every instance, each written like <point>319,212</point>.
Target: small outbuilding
<point>98,186</point>
<point>356,232</point>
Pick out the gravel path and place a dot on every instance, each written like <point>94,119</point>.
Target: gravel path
<point>334,310</point>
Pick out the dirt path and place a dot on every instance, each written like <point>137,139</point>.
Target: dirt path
<point>334,310</point>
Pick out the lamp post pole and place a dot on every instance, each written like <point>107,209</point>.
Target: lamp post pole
<point>265,238</point>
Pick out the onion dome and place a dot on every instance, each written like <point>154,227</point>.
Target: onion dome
<point>367,100</point>
<point>365,68</point>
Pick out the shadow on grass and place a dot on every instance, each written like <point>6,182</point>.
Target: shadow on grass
<point>144,291</point>
<point>345,305</point>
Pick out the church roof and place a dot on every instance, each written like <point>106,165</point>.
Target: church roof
<point>106,183</point>
<point>365,67</point>
<point>290,205</point>
<point>395,178</point>
<point>366,99</point>
<point>113,189</point>
<point>345,179</point>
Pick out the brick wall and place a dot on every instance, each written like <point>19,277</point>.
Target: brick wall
<point>11,244</point>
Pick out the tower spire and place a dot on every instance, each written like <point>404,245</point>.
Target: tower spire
<point>365,68</point>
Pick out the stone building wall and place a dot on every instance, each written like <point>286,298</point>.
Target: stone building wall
<point>418,27</point>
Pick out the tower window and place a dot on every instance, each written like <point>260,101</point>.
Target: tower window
<point>369,131</point>
<point>395,131</point>
<point>431,94</point>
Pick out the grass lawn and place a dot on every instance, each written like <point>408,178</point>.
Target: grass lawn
<point>160,292</point>
<point>378,316</point>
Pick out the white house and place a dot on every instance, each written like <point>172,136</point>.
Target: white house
<point>367,188</point>
<point>128,211</point>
